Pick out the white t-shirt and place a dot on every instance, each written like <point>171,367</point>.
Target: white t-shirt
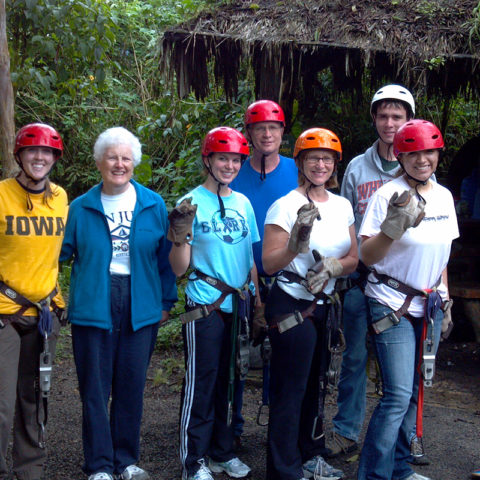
<point>119,213</point>
<point>330,236</point>
<point>420,256</point>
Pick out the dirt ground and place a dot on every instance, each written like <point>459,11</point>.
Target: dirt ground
<point>452,420</point>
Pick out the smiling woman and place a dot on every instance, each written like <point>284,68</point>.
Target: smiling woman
<point>32,224</point>
<point>213,228</point>
<point>116,167</point>
<point>117,234</point>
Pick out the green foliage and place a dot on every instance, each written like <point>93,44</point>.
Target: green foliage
<point>474,33</point>
<point>59,44</point>
<point>170,373</point>
<point>173,133</point>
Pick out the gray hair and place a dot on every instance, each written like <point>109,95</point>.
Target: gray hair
<point>117,136</point>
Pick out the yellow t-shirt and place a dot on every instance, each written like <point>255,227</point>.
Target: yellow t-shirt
<point>30,243</point>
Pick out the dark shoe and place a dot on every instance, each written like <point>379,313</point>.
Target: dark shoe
<point>339,445</point>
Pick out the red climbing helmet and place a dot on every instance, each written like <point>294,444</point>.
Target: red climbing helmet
<point>225,140</point>
<point>38,135</point>
<point>416,135</point>
<point>264,111</point>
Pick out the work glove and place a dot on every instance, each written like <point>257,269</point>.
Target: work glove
<point>181,220</point>
<point>447,323</point>
<point>317,281</point>
<point>403,212</point>
<point>300,234</point>
<point>259,325</point>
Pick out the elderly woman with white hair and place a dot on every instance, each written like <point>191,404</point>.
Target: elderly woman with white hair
<point>122,289</point>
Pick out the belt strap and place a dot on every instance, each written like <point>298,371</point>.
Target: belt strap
<point>24,302</point>
<point>401,287</point>
<point>293,277</point>
<point>205,310</point>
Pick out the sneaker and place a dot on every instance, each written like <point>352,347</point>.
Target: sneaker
<point>203,473</point>
<point>233,468</point>
<point>476,473</point>
<point>100,476</point>
<point>132,472</point>
<point>319,469</point>
<point>417,476</point>
<point>339,445</point>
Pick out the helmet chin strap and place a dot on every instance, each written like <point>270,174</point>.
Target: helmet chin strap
<point>263,174</point>
<point>312,185</point>
<point>219,186</point>
<point>416,180</point>
<point>34,180</point>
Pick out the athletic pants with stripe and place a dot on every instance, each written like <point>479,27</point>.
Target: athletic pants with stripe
<point>294,387</point>
<point>203,419</point>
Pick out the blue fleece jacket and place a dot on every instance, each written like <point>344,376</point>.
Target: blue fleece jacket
<point>88,240</point>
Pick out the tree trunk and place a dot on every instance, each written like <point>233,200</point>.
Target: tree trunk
<point>7,122</point>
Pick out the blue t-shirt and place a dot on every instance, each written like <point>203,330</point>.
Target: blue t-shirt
<point>262,194</point>
<point>221,248</point>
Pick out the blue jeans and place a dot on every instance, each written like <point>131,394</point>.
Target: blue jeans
<point>387,443</point>
<point>112,363</point>
<point>353,378</point>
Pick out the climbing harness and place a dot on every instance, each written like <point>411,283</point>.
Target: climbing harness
<point>239,356</point>
<point>45,324</point>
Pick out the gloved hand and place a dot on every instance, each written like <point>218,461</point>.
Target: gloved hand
<point>259,325</point>
<point>181,220</point>
<point>447,323</point>
<point>318,281</point>
<point>403,212</point>
<point>300,234</point>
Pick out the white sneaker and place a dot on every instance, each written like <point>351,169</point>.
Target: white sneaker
<point>100,476</point>
<point>319,469</point>
<point>203,473</point>
<point>234,468</point>
<point>417,476</point>
<point>132,472</point>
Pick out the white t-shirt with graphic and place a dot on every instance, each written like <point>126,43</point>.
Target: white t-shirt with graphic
<point>221,248</point>
<point>119,213</point>
<point>420,256</point>
<point>330,236</point>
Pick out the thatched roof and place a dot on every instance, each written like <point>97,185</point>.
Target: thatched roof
<point>424,44</point>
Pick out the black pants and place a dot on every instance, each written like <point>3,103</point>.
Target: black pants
<point>294,387</point>
<point>203,422</point>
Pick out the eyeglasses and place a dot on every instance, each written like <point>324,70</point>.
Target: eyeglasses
<point>327,161</point>
<point>264,128</point>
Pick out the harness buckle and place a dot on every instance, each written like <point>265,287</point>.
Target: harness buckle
<point>386,322</point>
<point>290,322</point>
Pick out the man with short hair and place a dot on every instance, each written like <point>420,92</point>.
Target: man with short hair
<point>264,177</point>
<point>390,108</point>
